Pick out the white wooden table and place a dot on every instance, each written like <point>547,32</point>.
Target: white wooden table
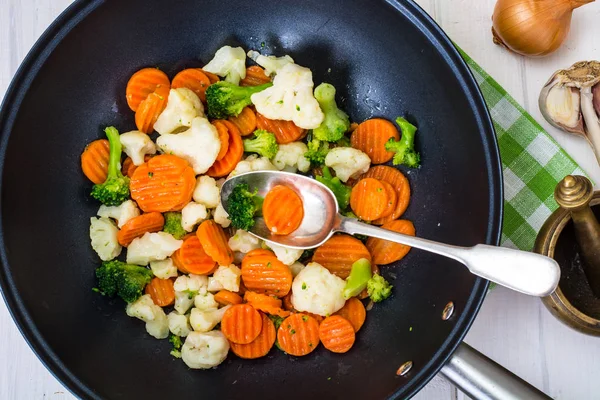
<point>512,329</point>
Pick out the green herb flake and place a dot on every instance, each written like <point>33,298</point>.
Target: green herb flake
<point>262,44</point>
<point>293,331</point>
<point>379,189</point>
<point>280,102</point>
<point>410,329</point>
<point>305,318</point>
<point>269,265</point>
<point>329,378</point>
<point>150,174</point>
<point>304,286</point>
<point>297,107</point>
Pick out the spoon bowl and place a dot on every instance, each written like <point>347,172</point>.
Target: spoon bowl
<point>320,207</point>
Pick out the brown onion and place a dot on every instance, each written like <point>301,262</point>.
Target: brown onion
<point>533,27</point>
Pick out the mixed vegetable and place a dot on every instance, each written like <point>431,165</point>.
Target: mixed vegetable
<point>191,271</point>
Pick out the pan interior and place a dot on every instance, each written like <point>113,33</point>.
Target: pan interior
<point>385,58</point>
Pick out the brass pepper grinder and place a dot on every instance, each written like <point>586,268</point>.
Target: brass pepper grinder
<point>574,194</point>
<point>571,236</point>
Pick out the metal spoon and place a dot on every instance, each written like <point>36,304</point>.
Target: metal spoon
<point>524,272</point>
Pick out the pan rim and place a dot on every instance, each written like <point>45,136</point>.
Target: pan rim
<point>76,13</point>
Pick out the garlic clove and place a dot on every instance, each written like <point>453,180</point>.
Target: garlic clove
<point>570,101</point>
<point>562,108</point>
<point>596,97</point>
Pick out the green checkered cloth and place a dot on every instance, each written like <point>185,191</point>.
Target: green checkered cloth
<point>532,161</point>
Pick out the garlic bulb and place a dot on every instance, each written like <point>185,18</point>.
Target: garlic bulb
<point>570,101</point>
<point>533,27</point>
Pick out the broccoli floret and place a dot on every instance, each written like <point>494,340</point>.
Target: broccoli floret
<point>378,288</point>
<point>242,206</point>
<point>336,122</point>
<point>176,342</point>
<point>225,99</point>
<point>115,189</point>
<point>341,191</point>
<point>264,143</point>
<point>360,274</point>
<point>317,151</point>
<point>173,225</point>
<point>125,280</point>
<point>405,147</point>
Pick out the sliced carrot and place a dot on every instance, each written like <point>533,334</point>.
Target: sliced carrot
<point>267,304</point>
<point>223,138</point>
<point>211,77</point>
<point>142,83</point>
<point>213,240</point>
<point>194,79</point>
<point>245,121</point>
<point>392,199</point>
<point>241,324</point>
<point>192,259</point>
<point>337,334</point>
<point>368,199</point>
<point>161,291</point>
<point>284,131</point>
<point>371,137</point>
<point>129,167</point>
<point>399,182</point>
<point>287,302</point>
<point>259,252</point>
<point>235,152</point>
<point>94,161</point>
<point>149,109</point>
<point>266,274</point>
<point>137,226</point>
<point>354,311</point>
<point>339,253</point>
<point>260,346</point>
<point>298,334</point>
<point>385,252</point>
<point>282,210</point>
<point>255,76</point>
<point>164,183</point>
<point>225,298</point>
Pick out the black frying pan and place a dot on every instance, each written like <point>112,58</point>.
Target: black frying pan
<point>387,58</point>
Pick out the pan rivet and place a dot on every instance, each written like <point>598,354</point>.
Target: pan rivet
<point>404,368</point>
<point>448,311</point>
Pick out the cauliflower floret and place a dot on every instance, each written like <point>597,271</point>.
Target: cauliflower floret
<point>207,192</point>
<point>204,321</point>
<point>227,278</point>
<point>318,291</point>
<point>253,163</point>
<point>271,64</point>
<point>347,162</point>
<point>152,247</point>
<point>122,213</point>
<point>156,321</point>
<point>229,62</point>
<point>243,242</point>
<point>199,145</point>
<point>285,254</point>
<point>163,269</point>
<point>290,98</point>
<point>103,234</point>
<point>205,302</point>
<point>136,145</point>
<point>221,217</point>
<point>296,268</point>
<point>291,157</point>
<point>183,106</point>
<point>186,289</point>
<point>179,324</point>
<point>205,350</point>
<point>192,214</point>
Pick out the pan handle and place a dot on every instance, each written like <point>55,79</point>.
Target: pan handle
<point>483,379</point>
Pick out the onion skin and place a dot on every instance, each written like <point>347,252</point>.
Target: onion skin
<point>533,28</point>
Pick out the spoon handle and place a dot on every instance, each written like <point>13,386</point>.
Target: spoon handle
<point>525,272</point>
